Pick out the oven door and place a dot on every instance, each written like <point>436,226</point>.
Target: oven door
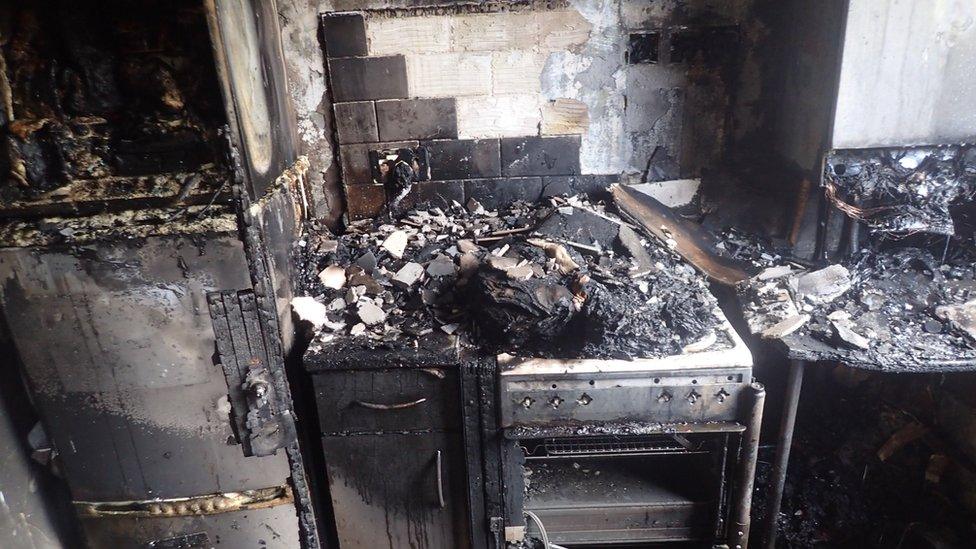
<point>623,490</point>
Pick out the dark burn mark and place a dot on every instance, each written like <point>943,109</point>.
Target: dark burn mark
<point>643,47</point>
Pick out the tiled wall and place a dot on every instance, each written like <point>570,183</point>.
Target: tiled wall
<point>467,88</point>
<point>506,101</point>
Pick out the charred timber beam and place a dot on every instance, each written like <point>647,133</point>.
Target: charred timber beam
<point>688,239</point>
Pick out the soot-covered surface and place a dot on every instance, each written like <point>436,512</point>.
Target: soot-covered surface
<point>902,191</point>
<point>869,467</point>
<point>103,94</point>
<point>566,279</point>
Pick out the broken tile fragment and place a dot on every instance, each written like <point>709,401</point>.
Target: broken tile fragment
<point>845,331</point>
<point>772,273</point>
<point>475,207</point>
<point>396,243</point>
<point>369,283</point>
<point>961,317</point>
<point>328,246</point>
<point>825,285</point>
<point>333,277</point>
<point>785,327</point>
<point>370,314</point>
<point>353,294</point>
<point>367,261</point>
<point>310,310</point>
<point>442,266</point>
<point>408,275</point>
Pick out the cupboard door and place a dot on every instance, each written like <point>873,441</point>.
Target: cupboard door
<point>398,491</point>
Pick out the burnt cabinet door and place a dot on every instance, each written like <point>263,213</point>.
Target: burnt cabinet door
<point>400,399</point>
<point>398,491</point>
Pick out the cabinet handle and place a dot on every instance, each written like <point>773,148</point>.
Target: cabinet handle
<point>399,406</point>
<point>440,481</point>
<point>439,374</point>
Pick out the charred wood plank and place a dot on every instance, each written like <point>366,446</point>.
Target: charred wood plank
<point>691,241</point>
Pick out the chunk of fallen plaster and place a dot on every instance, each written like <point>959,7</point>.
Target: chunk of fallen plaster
<point>333,277</point>
<point>409,274</point>
<point>370,314</point>
<point>310,310</point>
<point>785,327</point>
<point>961,317</point>
<point>396,243</point>
<point>846,333</point>
<point>825,285</point>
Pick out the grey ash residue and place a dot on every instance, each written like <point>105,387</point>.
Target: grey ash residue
<point>565,279</point>
<point>888,309</point>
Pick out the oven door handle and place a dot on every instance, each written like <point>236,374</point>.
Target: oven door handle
<point>398,406</point>
<point>440,480</point>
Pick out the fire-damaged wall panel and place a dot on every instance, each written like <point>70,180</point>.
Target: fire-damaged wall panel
<point>907,74</point>
<point>118,350</point>
<point>509,100</point>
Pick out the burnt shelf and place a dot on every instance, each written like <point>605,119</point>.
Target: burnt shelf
<point>109,106</point>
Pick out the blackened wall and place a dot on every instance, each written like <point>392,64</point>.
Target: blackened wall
<point>647,90</point>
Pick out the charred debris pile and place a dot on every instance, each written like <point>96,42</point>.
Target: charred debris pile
<point>901,191</point>
<point>563,279</point>
<point>890,308</point>
<point>905,298</point>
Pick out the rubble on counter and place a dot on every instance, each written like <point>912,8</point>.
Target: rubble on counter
<point>564,279</point>
<point>896,308</point>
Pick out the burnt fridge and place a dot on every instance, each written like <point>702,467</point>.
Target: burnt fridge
<point>130,172</point>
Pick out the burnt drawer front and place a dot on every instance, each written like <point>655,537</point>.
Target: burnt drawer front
<point>373,401</point>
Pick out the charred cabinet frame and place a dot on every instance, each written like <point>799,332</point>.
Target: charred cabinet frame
<point>395,455</point>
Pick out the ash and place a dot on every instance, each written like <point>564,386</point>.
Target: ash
<point>564,279</point>
<point>889,309</point>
